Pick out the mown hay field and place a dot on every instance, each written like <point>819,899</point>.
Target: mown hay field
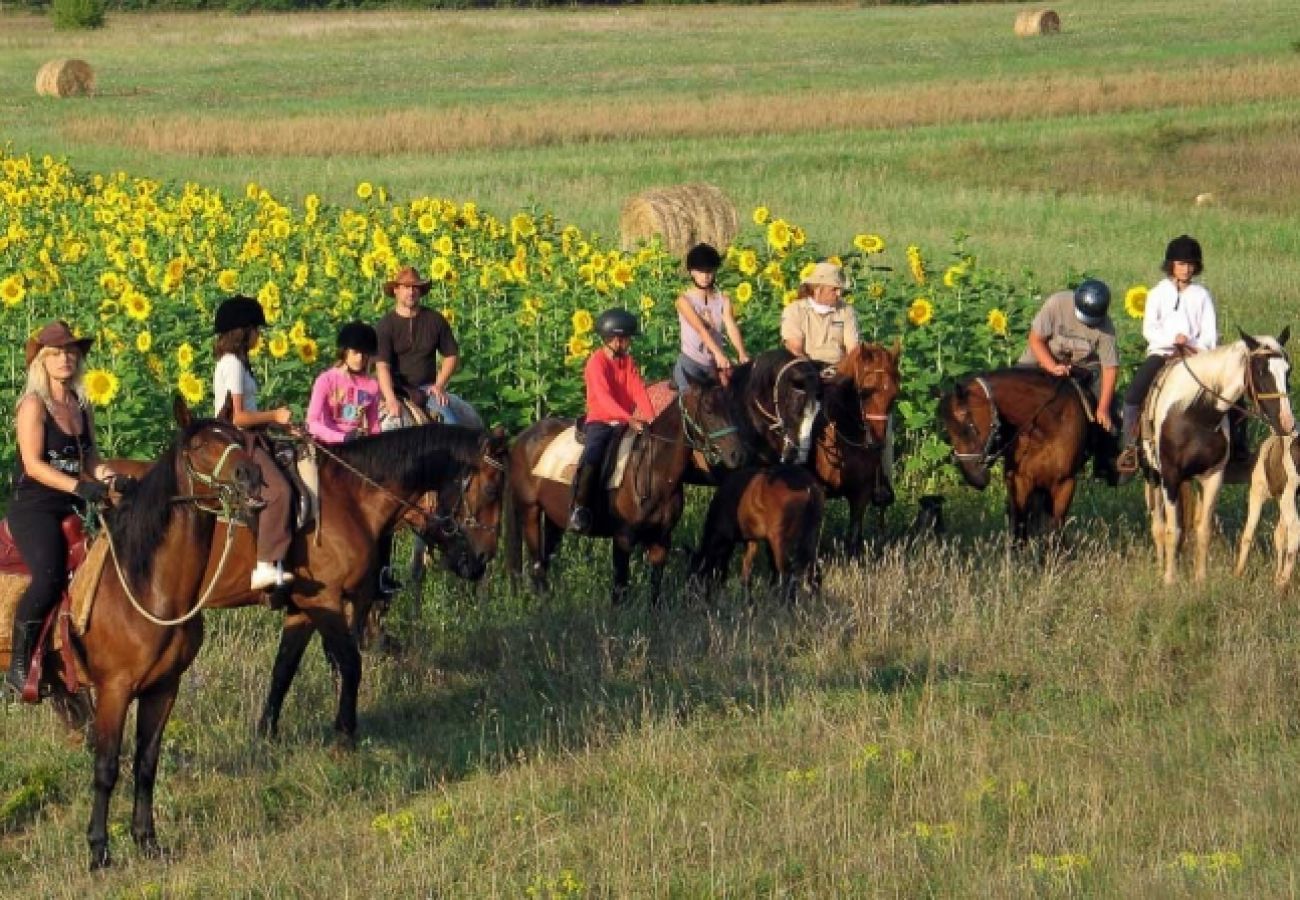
<point>948,717</point>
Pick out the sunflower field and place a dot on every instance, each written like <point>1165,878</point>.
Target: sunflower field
<point>141,265</point>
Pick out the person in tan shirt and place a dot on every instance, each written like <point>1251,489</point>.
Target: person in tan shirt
<point>817,324</point>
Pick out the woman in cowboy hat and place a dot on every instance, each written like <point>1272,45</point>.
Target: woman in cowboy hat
<point>411,338</point>
<point>59,471</point>
<point>705,314</point>
<point>818,324</point>
<point>238,325</point>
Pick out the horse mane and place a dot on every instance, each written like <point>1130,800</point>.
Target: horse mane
<point>424,456</point>
<point>139,522</point>
<point>841,406</point>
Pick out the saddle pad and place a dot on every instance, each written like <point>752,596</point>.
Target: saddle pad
<point>11,588</point>
<point>662,395</point>
<point>85,584</point>
<point>559,461</point>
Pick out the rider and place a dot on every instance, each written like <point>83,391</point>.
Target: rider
<point>345,398</point>
<point>58,472</point>
<point>1179,319</point>
<point>704,312</point>
<point>818,324</point>
<point>238,325</point>
<point>1073,334</point>
<point>615,394</point>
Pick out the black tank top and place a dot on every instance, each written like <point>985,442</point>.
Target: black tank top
<point>65,453</point>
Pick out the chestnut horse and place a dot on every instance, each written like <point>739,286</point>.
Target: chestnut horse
<point>1188,441</point>
<point>1032,421</point>
<point>145,629</point>
<point>781,508</point>
<point>645,507</point>
<point>852,435</point>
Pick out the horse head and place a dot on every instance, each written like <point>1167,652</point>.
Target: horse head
<point>970,418</point>
<point>873,370</point>
<point>710,423</point>
<point>1266,372</point>
<point>215,460</point>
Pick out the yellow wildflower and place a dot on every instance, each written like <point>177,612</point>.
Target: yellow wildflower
<point>953,276</point>
<point>620,275</point>
<point>869,243</point>
<point>365,190</point>
<point>647,303</point>
<point>101,386</point>
<point>137,305</point>
<point>998,322</point>
<point>761,215</point>
<point>779,234</point>
<point>185,356</point>
<point>744,292</point>
<point>278,345</point>
<point>747,263</point>
<point>1135,301</point>
<point>143,341</point>
<point>191,388</point>
<point>920,312</point>
<point>12,290</point>
<point>582,322</point>
<point>308,351</point>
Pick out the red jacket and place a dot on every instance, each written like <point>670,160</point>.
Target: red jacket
<point>615,390</point>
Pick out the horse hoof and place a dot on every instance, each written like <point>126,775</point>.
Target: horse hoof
<point>267,730</point>
<point>99,859</point>
<point>150,849</point>
<point>345,743</point>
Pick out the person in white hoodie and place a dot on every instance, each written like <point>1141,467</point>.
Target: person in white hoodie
<point>1179,319</point>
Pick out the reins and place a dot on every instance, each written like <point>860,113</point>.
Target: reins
<point>777,424</point>
<point>987,455</point>
<point>1253,411</point>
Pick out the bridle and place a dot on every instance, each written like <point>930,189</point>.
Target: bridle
<point>457,523</point>
<point>227,494</point>
<point>697,436</point>
<point>775,422</point>
<point>869,441</point>
<point>1256,397</point>
<point>985,455</point>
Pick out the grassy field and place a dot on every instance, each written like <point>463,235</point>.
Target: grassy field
<point>947,719</point>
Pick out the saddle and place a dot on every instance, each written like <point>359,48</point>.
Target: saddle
<point>1241,459</point>
<point>56,632</point>
<point>559,461</point>
<point>296,460</point>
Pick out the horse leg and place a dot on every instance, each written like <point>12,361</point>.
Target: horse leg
<point>152,711</point>
<point>1019,491</point>
<point>621,556</point>
<point>1062,497</point>
<point>656,555</point>
<point>1254,506</point>
<point>110,715</point>
<point>1173,525</point>
<point>1154,496</point>
<point>1292,537</point>
<point>857,513</point>
<point>1210,488</point>
<point>343,650</point>
<point>294,638</point>
<point>75,711</point>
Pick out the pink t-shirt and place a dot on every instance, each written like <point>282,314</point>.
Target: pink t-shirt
<point>342,403</point>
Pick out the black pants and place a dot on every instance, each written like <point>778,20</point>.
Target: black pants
<point>39,536</point>
<point>595,441</point>
<point>1142,378</point>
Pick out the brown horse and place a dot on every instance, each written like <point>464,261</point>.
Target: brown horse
<point>1032,421</point>
<point>852,434</point>
<point>145,629</point>
<point>780,508</point>
<point>645,507</point>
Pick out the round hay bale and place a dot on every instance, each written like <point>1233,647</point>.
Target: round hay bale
<point>1206,199</point>
<point>681,216</point>
<point>65,78</point>
<point>1033,22</point>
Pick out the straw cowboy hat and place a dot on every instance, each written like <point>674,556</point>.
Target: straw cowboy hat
<point>410,276</point>
<point>829,274</point>
<point>56,334</point>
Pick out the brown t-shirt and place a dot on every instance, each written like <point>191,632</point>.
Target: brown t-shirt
<point>1069,340</point>
<point>411,347</point>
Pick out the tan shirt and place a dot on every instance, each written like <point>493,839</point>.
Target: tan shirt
<point>826,338</point>
<point>1069,340</point>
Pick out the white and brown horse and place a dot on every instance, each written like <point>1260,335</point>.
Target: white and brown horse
<point>1186,440</point>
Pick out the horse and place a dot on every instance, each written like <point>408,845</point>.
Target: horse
<point>1036,424</point>
<point>642,510</point>
<point>775,398</point>
<point>1188,441</point>
<point>852,434</point>
<point>781,508</point>
<point>145,627</point>
<point>1276,476</point>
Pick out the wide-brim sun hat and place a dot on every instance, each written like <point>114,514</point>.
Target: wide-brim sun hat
<point>56,334</point>
<point>829,274</point>
<point>409,276</point>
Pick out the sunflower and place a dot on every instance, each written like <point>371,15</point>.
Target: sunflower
<point>916,264</point>
<point>527,318</point>
<point>869,243</point>
<point>920,312</point>
<point>953,276</point>
<point>761,215</point>
<point>308,352</point>
<point>426,223</point>
<point>12,290</point>
<point>365,190</point>
<point>747,263</point>
<point>522,226</point>
<point>620,275</point>
<point>789,296</point>
<point>111,283</point>
<point>876,290</point>
<point>443,245</point>
<point>533,304</point>
<point>143,341</point>
<point>647,303</point>
<point>779,234</point>
<point>138,248</point>
<point>228,280</point>
<point>450,315</point>
<point>278,345</point>
<point>185,356</point>
<point>136,304</point>
<point>577,346</point>
<point>191,388</point>
<point>519,268</point>
<point>998,322</point>
<point>101,386</point>
<point>744,292</point>
<point>1135,301</point>
<point>582,322</point>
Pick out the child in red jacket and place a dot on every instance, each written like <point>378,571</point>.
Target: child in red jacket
<point>615,394</point>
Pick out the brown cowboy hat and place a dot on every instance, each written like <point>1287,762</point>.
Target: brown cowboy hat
<point>55,334</point>
<point>409,276</point>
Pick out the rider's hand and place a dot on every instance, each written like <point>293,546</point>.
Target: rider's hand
<point>282,415</point>
<point>1060,370</point>
<point>124,484</point>
<point>1104,420</point>
<point>637,425</point>
<point>439,394</point>
<point>91,491</point>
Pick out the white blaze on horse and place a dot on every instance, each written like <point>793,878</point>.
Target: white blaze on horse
<point>1185,438</point>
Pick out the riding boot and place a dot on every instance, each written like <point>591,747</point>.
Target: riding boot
<point>25,636</point>
<point>1126,464</point>
<point>580,518</point>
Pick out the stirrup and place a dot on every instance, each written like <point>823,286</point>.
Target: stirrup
<point>580,520</point>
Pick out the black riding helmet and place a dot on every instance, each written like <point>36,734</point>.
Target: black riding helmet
<point>617,322</point>
<point>1184,248</point>
<point>238,312</point>
<point>1091,302</point>
<point>703,258</point>
<point>360,337</point>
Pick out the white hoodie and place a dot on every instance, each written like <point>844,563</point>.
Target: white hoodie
<point>1170,313</point>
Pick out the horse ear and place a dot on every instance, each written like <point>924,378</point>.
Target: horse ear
<point>181,412</point>
<point>227,413</point>
<point>1251,343</point>
<point>1282,338</point>
<point>500,438</point>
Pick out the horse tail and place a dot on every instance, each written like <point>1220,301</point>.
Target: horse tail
<point>514,537</point>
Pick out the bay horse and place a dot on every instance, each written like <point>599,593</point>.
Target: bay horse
<point>1188,441</point>
<point>645,507</point>
<point>145,627</point>
<point>780,508</point>
<point>1036,424</point>
<point>852,436</point>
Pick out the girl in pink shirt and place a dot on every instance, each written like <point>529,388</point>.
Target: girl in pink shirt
<point>345,398</point>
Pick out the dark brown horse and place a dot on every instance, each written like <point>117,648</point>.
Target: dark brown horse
<point>144,628</point>
<point>780,508</point>
<point>774,399</point>
<point>852,434</point>
<point>645,507</point>
<point>1032,421</point>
